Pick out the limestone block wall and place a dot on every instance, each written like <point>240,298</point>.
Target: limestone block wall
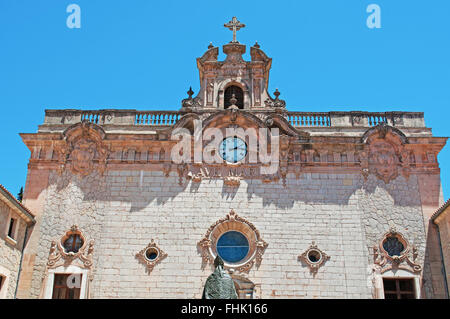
<point>123,210</point>
<point>443,223</point>
<point>10,251</point>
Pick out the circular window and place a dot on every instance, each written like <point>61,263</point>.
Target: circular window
<point>73,243</point>
<point>151,253</point>
<point>314,256</point>
<point>393,246</point>
<point>232,247</point>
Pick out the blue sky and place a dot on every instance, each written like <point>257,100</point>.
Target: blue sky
<point>140,54</point>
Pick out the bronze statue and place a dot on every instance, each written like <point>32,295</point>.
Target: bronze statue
<point>219,284</point>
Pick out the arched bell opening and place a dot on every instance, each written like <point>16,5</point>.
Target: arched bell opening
<point>234,95</point>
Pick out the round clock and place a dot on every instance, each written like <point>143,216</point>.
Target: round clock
<point>233,149</point>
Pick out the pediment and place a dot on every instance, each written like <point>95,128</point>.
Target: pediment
<point>242,119</point>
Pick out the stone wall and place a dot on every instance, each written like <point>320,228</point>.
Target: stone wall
<point>123,210</point>
<point>443,223</point>
<point>10,251</point>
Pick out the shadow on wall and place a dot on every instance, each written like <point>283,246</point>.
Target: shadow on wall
<point>433,272</point>
<point>142,188</point>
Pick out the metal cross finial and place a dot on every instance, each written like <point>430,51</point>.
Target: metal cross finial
<point>234,25</point>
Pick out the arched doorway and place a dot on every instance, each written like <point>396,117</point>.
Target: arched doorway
<point>238,95</point>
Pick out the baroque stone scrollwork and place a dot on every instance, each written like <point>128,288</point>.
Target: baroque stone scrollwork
<point>313,257</point>
<point>385,154</point>
<point>233,222</point>
<point>395,252</point>
<point>151,255</point>
<point>83,149</point>
<point>79,253</point>
<point>189,103</point>
<point>277,102</point>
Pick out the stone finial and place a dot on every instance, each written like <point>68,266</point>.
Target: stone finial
<point>190,92</point>
<point>210,46</point>
<point>276,93</point>
<point>256,45</point>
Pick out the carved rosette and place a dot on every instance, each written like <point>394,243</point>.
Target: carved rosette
<point>404,256</point>
<point>314,258</point>
<point>151,255</point>
<point>233,222</point>
<point>385,154</point>
<point>83,149</point>
<point>82,258</point>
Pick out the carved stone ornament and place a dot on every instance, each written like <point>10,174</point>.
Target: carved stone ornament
<point>190,102</point>
<point>82,258</point>
<point>83,149</point>
<point>314,258</point>
<point>233,222</point>
<point>275,103</point>
<point>395,252</point>
<point>385,154</point>
<point>151,255</point>
<point>232,181</point>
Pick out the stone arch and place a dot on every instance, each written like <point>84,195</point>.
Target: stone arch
<point>382,130</point>
<point>236,93</point>
<point>243,85</point>
<point>226,117</point>
<point>187,122</point>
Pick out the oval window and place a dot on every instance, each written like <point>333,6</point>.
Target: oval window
<point>73,243</point>
<point>393,246</point>
<point>232,247</point>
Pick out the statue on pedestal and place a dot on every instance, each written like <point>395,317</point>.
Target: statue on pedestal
<point>219,284</point>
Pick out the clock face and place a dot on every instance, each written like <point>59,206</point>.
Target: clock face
<point>233,149</point>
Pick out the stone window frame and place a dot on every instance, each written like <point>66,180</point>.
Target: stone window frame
<point>406,260</point>
<point>73,270</point>
<point>61,262</point>
<point>12,240</point>
<point>151,263</point>
<point>74,230</point>
<point>313,266</point>
<point>6,275</point>
<point>395,267</point>
<point>233,222</point>
<point>397,274</point>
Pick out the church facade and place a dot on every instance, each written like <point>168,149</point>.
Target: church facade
<point>137,204</point>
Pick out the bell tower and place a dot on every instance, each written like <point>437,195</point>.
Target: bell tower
<point>234,82</point>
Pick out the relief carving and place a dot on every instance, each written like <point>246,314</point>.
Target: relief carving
<point>395,252</point>
<point>277,102</point>
<point>383,161</point>
<point>314,258</point>
<point>83,149</point>
<point>151,255</point>
<point>385,154</point>
<point>81,257</point>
